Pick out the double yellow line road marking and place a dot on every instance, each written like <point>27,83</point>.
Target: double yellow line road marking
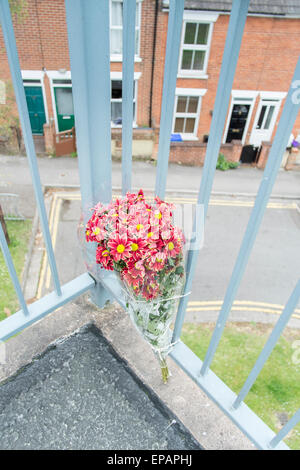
<point>238,306</point>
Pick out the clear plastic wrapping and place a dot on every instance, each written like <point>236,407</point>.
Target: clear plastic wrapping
<point>140,243</point>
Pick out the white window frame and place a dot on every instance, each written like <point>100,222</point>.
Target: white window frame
<point>36,75</point>
<point>277,98</point>
<point>196,17</point>
<point>118,76</point>
<point>57,75</point>
<point>239,97</point>
<point>198,92</point>
<point>118,57</point>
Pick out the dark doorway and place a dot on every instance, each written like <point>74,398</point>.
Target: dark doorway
<point>238,121</point>
<point>249,154</point>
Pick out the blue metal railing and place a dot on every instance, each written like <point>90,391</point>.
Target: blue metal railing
<point>88,32</point>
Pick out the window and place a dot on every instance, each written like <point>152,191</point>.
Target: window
<point>116,102</point>
<point>187,108</point>
<point>195,43</point>
<point>116,27</point>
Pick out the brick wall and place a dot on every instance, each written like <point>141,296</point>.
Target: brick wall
<point>268,56</point>
<point>193,153</point>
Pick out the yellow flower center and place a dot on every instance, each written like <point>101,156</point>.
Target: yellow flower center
<point>134,246</point>
<point>150,234</point>
<point>170,246</point>
<point>139,226</point>
<point>87,232</point>
<point>120,248</point>
<point>96,230</point>
<point>158,216</point>
<point>115,215</point>
<point>159,260</point>
<point>105,253</point>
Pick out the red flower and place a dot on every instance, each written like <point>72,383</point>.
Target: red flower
<point>138,248</point>
<point>119,247</point>
<point>103,257</point>
<point>172,247</point>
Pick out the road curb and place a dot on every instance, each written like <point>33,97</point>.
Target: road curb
<point>29,253</point>
<point>179,191</point>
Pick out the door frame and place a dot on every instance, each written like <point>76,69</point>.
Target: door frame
<point>267,95</point>
<point>57,75</point>
<point>239,97</point>
<point>36,75</point>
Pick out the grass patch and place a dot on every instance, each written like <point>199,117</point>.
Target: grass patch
<point>275,396</point>
<point>19,232</point>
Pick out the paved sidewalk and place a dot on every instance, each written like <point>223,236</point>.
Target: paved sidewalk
<point>15,178</point>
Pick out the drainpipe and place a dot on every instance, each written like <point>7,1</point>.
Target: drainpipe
<point>153,59</point>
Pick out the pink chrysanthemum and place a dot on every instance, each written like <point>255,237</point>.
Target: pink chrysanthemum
<point>172,247</point>
<point>119,247</point>
<point>103,257</point>
<point>157,261</point>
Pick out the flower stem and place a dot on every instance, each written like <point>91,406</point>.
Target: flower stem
<point>164,370</point>
<point>165,374</point>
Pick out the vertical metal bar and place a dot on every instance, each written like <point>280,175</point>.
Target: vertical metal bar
<point>230,57</point>
<point>288,117</point>
<point>129,13</point>
<point>168,97</point>
<point>88,34</point>
<point>286,429</point>
<point>12,55</point>
<point>270,344</point>
<point>12,271</point>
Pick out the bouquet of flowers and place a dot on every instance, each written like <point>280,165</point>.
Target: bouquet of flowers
<point>139,242</point>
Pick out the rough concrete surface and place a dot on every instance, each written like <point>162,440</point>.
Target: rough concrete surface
<point>80,395</point>
<point>202,417</point>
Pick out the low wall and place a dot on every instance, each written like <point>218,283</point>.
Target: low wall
<point>142,143</point>
<point>193,153</point>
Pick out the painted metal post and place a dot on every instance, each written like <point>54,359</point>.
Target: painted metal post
<point>168,97</point>
<point>288,117</point>
<point>88,34</point>
<point>12,55</point>
<point>12,271</point>
<point>270,344</point>
<point>286,429</point>
<point>230,57</point>
<point>129,14</point>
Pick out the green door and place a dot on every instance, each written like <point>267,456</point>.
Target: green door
<point>64,108</point>
<point>36,109</point>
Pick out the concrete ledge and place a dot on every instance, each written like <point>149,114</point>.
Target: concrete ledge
<point>200,415</point>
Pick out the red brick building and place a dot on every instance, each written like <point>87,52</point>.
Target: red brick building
<point>269,52</point>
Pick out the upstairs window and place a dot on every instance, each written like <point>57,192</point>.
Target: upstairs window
<point>116,27</point>
<point>195,45</point>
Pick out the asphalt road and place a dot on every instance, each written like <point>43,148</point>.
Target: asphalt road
<point>274,264</point>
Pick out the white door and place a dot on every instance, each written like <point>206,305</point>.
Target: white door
<point>264,121</point>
